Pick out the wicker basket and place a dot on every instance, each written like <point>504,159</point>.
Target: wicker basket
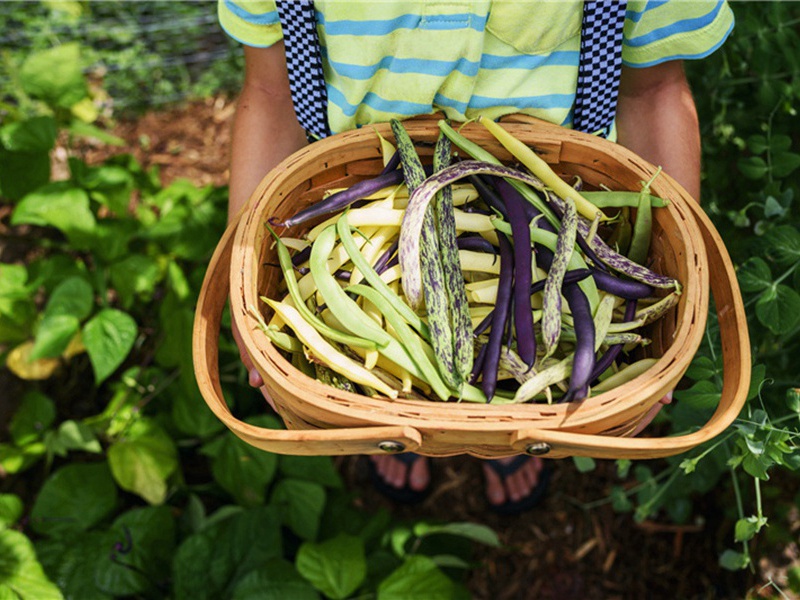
<point>324,421</point>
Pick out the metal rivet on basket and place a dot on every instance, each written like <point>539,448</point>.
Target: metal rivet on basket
<point>538,448</point>
<point>391,447</point>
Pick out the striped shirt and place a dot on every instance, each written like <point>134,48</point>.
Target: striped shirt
<point>385,59</point>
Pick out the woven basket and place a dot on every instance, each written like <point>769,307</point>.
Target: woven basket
<point>322,420</point>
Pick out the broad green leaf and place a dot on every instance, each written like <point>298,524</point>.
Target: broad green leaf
<point>754,275</point>
<point>242,470</point>
<point>11,509</point>
<point>417,577</point>
<point>82,129</point>
<point>793,399</point>
<point>757,465</point>
<point>111,186</point>
<point>191,414</point>
<point>15,459</point>
<point>779,142</point>
<point>53,335</point>
<point>37,134</point>
<point>109,337</point>
<point>701,367</point>
<point>757,144</point>
<point>319,469</point>
<point>34,416</point>
<point>76,497</point>
<point>276,580</point>
<point>57,205</point>
<point>784,163</point>
<point>702,395</point>
<point>21,575</point>
<point>74,435</point>
<point>753,167</point>
<point>54,75</point>
<point>139,559</point>
<point>779,309</point>
<point>71,563</point>
<point>784,244</point>
<point>335,567</point>
<point>135,275</point>
<point>301,503</point>
<point>228,547</point>
<point>22,172</point>
<point>73,296</point>
<point>773,208</point>
<point>143,460</point>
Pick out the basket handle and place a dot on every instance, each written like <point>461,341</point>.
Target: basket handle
<point>312,442</point>
<point>735,383</point>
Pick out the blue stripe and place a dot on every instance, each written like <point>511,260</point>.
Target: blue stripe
<point>548,101</point>
<point>636,16</point>
<point>267,18</point>
<point>530,61</point>
<point>436,68</point>
<point>675,28</point>
<point>372,100</point>
<point>409,21</point>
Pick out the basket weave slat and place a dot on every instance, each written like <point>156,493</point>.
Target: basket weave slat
<point>681,234</point>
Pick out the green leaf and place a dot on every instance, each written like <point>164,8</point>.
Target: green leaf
<point>75,435</point>
<point>319,469</point>
<point>73,296</point>
<point>417,577</point>
<point>231,545</point>
<point>108,337</point>
<point>242,470</point>
<point>54,335</point>
<point>757,465</point>
<point>21,575</point>
<point>135,275</point>
<point>58,205</point>
<point>784,244</point>
<point>773,208</point>
<point>753,167</point>
<point>71,563</point>
<point>276,580</point>
<point>783,163</point>
<point>35,414</point>
<point>22,172</point>
<point>733,561</point>
<point>748,527</point>
<point>779,309</point>
<point>87,130</point>
<point>584,464</point>
<point>793,399</point>
<point>140,556</point>
<point>701,368</point>
<point>54,75</point>
<point>11,509</point>
<point>74,498</point>
<point>335,567</point>
<point>757,144</point>
<point>754,275</point>
<point>143,460</point>
<point>301,503</point>
<point>702,395</point>
<point>37,134</point>
<point>14,459</point>
<point>471,531</point>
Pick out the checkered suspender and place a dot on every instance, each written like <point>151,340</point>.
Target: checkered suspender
<point>303,61</point>
<point>600,65</point>
<point>598,71</point>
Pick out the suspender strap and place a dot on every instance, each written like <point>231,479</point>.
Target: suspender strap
<point>600,66</point>
<point>303,61</point>
<point>598,70</point>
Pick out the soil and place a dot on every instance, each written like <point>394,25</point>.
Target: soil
<point>574,544</point>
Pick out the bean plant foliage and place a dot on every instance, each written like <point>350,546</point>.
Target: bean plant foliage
<point>118,482</point>
<point>141,491</point>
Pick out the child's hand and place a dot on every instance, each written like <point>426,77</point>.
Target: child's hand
<point>651,414</point>
<point>253,376</point>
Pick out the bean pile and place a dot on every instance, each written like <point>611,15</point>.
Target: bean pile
<point>469,279</point>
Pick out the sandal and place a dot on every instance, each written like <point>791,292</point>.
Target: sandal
<point>405,494</point>
<point>536,494</point>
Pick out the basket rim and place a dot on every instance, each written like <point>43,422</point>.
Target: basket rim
<point>614,406</point>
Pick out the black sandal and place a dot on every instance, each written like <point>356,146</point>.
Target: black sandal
<point>405,494</point>
<point>536,494</point>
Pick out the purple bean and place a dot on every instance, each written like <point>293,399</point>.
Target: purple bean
<point>499,318</point>
<point>584,358</point>
<point>605,361</point>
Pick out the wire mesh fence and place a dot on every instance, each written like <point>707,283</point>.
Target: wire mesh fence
<point>145,54</point>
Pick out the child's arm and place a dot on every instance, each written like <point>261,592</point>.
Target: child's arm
<point>265,129</point>
<point>657,119</point>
